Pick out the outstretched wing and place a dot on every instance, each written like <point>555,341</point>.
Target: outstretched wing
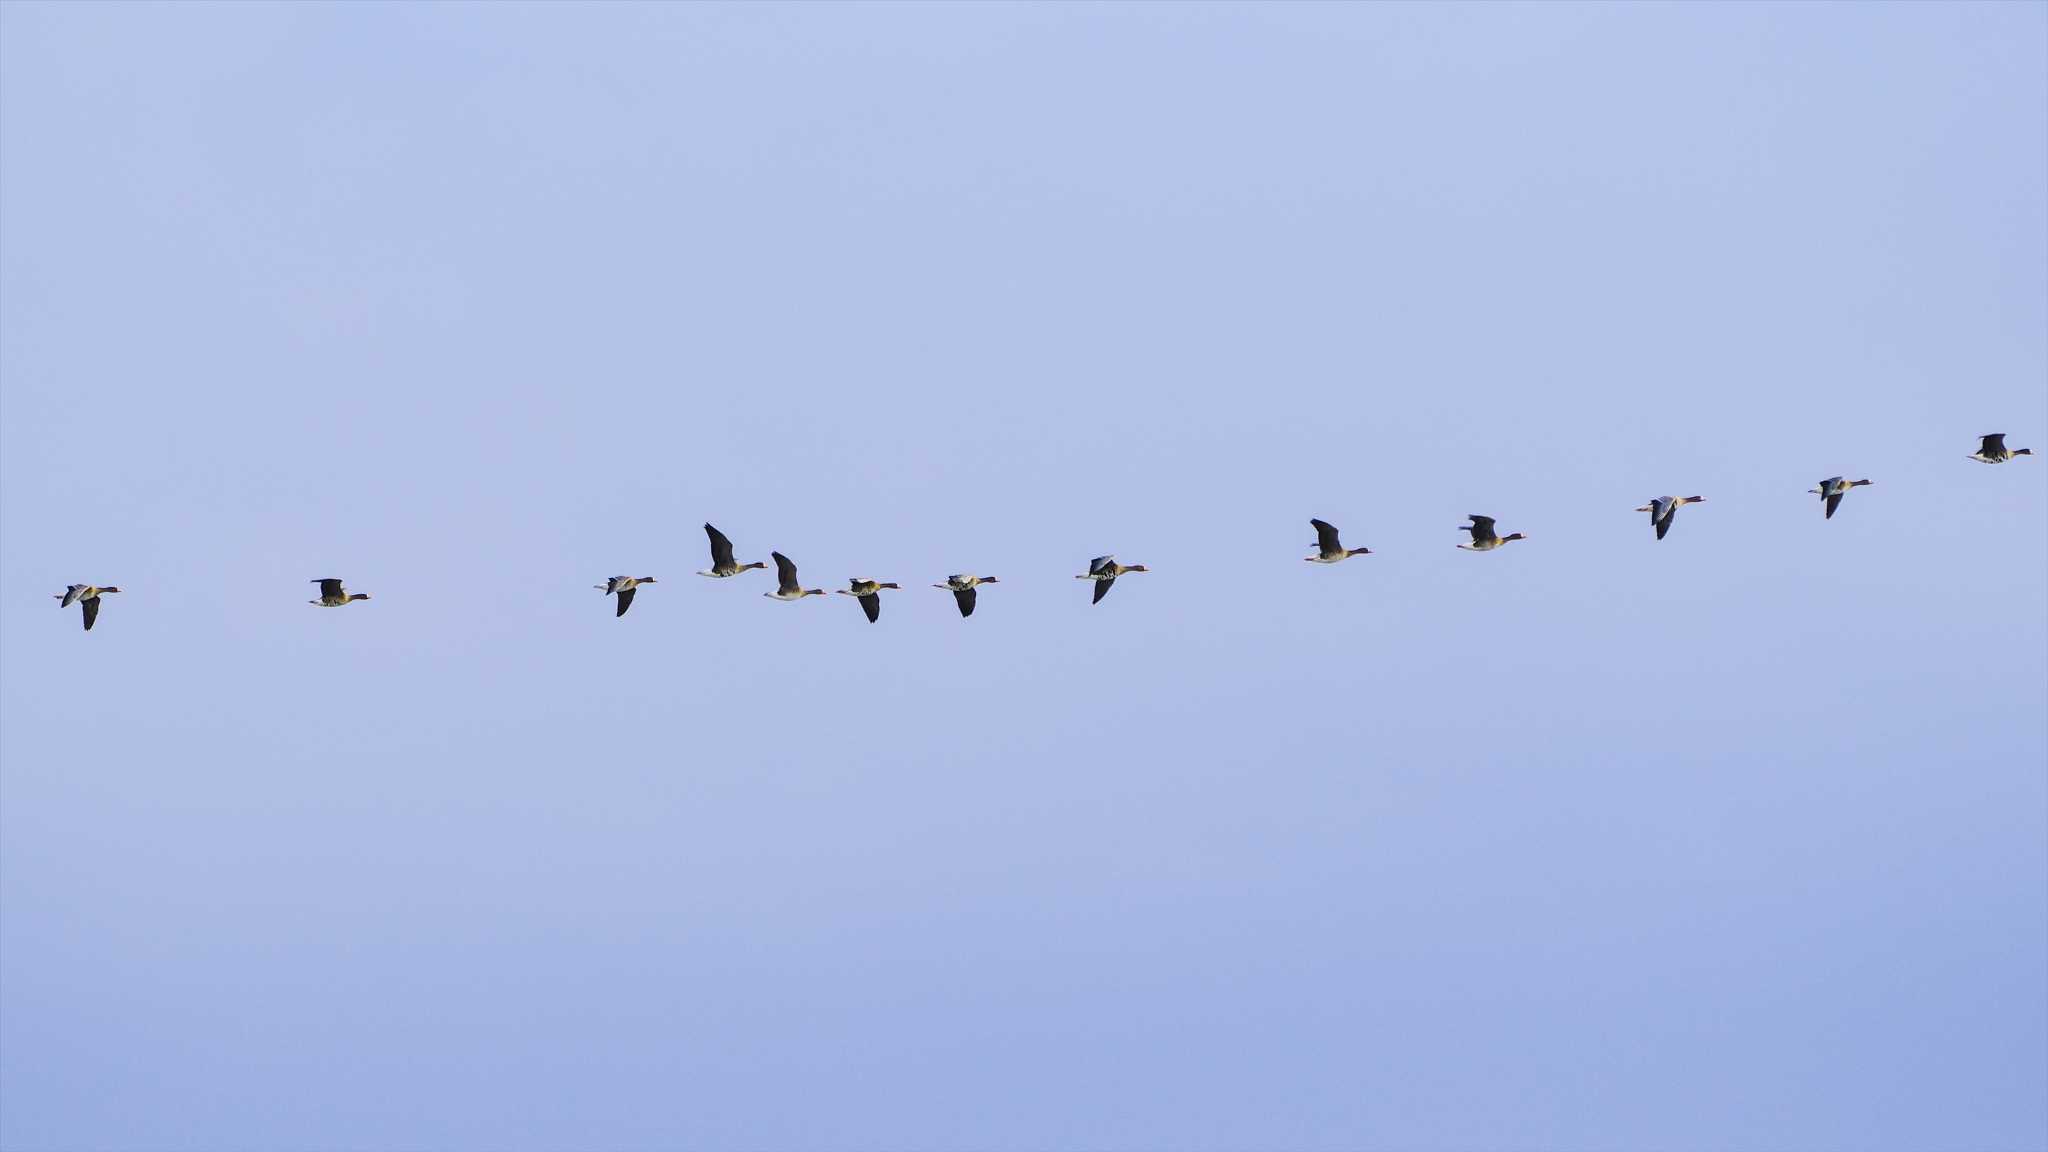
<point>625,601</point>
<point>1663,526</point>
<point>1102,589</point>
<point>721,550</point>
<point>785,573</point>
<point>329,588</point>
<point>872,605</point>
<point>1481,528</point>
<point>1833,500</point>
<point>92,611</point>
<point>965,598</point>
<point>1326,537</point>
<point>1100,563</point>
<point>1994,444</point>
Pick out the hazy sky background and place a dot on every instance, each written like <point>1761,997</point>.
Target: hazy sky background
<point>1734,841</point>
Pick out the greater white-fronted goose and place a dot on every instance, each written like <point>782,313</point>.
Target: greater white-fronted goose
<point>87,597</point>
<point>786,587</point>
<point>624,587</point>
<point>1994,451</point>
<point>1329,549</point>
<point>962,586</point>
<point>868,592</point>
<point>1104,570</point>
<point>332,595</point>
<point>1831,491</point>
<point>722,563</point>
<point>1484,538</point>
<point>1664,509</point>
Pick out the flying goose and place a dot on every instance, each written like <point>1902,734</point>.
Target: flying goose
<point>1994,451</point>
<point>1104,570</point>
<point>868,592</point>
<point>1484,539</point>
<point>786,587</point>
<point>1329,549</point>
<point>1832,490</point>
<point>332,595</point>
<point>722,563</point>
<point>1664,509</point>
<point>962,585</point>
<point>624,587</point>
<point>87,598</point>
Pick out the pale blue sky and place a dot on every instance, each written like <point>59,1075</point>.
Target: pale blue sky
<point>1733,841</point>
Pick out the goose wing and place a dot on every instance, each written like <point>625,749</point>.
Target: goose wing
<point>1994,445</point>
<point>625,601</point>
<point>785,574</point>
<point>964,597</point>
<point>329,587</point>
<point>871,603</point>
<point>1481,528</point>
<point>1832,500</point>
<point>1662,509</point>
<point>721,550</point>
<point>1100,564</point>
<point>1326,537</point>
<point>1102,589</point>
<point>92,611</point>
<point>71,595</point>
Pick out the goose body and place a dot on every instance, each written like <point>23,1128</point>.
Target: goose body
<point>868,592</point>
<point>962,586</point>
<point>1993,450</point>
<point>1831,491</point>
<point>624,587</point>
<point>87,597</point>
<point>1484,538</point>
<point>722,563</point>
<point>1104,570</point>
<point>333,595</point>
<point>786,587</point>
<point>1329,549</point>
<point>1664,509</point>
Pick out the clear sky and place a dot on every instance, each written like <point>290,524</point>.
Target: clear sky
<point>1734,841</point>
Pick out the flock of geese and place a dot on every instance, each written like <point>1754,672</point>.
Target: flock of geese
<point>1103,570</point>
